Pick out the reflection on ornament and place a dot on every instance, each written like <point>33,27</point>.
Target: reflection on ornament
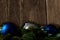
<point>4,29</point>
<point>30,26</point>
<point>8,28</point>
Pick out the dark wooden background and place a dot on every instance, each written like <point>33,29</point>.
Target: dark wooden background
<point>38,11</point>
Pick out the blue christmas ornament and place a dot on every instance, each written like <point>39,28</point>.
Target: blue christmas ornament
<point>51,29</point>
<point>4,29</point>
<point>8,28</point>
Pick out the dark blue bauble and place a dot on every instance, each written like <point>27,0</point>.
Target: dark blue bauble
<point>51,29</point>
<point>8,28</point>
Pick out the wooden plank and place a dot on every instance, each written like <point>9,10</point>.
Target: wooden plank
<point>21,11</point>
<point>33,11</point>
<point>53,11</point>
<point>14,11</point>
<point>3,11</point>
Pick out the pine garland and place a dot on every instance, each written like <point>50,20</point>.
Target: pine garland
<point>33,32</point>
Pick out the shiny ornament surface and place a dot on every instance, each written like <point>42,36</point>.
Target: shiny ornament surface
<point>51,29</point>
<point>8,28</point>
<point>30,26</point>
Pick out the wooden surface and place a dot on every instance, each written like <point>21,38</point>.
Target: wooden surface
<point>3,11</point>
<point>33,11</point>
<point>39,11</point>
<point>53,11</point>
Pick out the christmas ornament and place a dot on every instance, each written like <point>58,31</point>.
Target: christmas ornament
<point>30,31</point>
<point>30,26</point>
<point>8,28</point>
<point>51,29</point>
<point>11,29</point>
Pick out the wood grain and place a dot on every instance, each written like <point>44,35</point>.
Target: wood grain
<point>3,11</point>
<point>14,11</point>
<point>21,11</point>
<point>33,11</point>
<point>53,11</point>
